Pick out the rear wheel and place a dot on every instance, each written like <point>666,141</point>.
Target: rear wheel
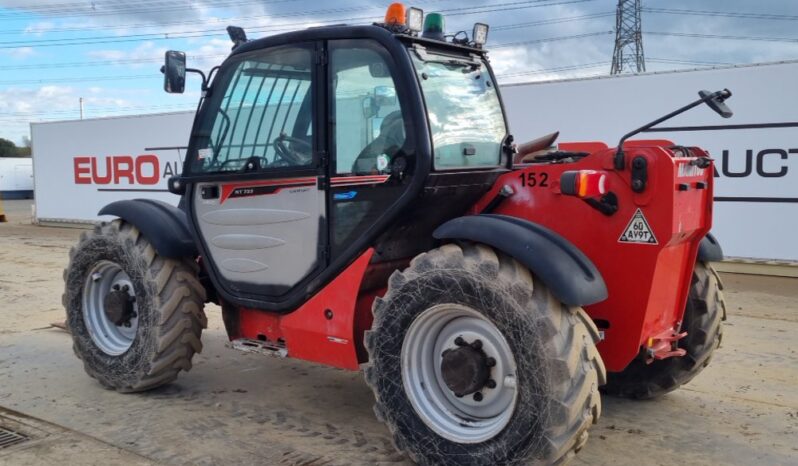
<point>135,317</point>
<point>703,316</point>
<point>473,361</point>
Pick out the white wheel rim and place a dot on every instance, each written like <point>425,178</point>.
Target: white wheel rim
<point>462,420</point>
<point>112,339</point>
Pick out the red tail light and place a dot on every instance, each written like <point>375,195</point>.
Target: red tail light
<point>583,183</point>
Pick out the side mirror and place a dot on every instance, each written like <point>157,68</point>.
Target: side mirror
<point>385,96</point>
<point>716,102</point>
<point>174,72</point>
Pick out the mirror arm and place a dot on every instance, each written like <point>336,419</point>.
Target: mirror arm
<point>204,79</point>
<point>619,156</point>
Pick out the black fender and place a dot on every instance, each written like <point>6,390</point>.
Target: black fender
<point>164,225</point>
<point>567,271</point>
<point>709,249</point>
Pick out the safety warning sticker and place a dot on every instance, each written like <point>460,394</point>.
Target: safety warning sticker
<point>638,231</point>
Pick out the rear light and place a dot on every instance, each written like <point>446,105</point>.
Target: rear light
<point>583,183</point>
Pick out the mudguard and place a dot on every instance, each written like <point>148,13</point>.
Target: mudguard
<point>569,274</point>
<point>165,226</point>
<point>709,249</point>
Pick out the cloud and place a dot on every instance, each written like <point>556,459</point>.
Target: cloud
<point>146,50</point>
<point>39,28</point>
<point>19,106</point>
<point>18,53</point>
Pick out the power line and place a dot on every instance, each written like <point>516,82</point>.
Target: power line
<point>222,3</point>
<point>88,79</point>
<point>550,39</point>
<point>553,70</point>
<point>149,76</point>
<point>727,14</point>
<point>567,19</point>
<point>92,108</point>
<point>688,62</point>
<point>724,37</point>
<point>211,32</point>
<point>136,61</point>
<point>172,23</point>
<point>89,8</point>
<point>127,61</point>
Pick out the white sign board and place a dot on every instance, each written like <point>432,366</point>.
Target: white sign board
<point>755,151</point>
<point>82,165</point>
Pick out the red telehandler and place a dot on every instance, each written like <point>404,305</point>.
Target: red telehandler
<point>352,196</point>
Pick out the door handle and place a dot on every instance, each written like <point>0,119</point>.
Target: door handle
<point>210,192</point>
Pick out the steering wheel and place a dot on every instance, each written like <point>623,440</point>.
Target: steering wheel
<point>286,151</point>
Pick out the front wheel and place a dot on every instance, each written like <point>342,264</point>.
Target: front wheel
<point>703,316</point>
<point>473,361</point>
<point>135,317</point>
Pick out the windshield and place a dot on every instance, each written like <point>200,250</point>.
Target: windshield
<point>259,114</point>
<point>464,112</point>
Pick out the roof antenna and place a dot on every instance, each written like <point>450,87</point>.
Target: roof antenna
<point>237,35</point>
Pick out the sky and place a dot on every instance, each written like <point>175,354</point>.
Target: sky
<point>108,52</point>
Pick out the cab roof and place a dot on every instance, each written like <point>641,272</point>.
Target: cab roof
<point>342,31</point>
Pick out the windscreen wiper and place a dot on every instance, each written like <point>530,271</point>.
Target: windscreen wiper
<point>470,60</point>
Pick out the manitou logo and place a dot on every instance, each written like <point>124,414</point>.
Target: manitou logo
<point>141,170</point>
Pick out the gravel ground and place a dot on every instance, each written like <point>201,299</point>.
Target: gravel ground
<point>245,408</point>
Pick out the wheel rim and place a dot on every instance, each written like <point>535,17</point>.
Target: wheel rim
<point>460,419</point>
<point>112,339</point>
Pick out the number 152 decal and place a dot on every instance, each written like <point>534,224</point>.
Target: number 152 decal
<point>534,180</point>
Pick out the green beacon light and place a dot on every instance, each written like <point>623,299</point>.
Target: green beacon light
<point>433,27</point>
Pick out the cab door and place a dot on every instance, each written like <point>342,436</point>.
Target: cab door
<point>258,207</point>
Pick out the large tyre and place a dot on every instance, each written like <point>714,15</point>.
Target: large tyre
<point>473,361</point>
<point>703,316</point>
<point>135,317</point>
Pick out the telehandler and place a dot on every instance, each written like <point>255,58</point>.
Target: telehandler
<point>352,196</point>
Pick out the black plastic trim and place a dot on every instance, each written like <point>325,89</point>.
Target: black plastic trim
<point>165,226</point>
<point>569,273</point>
<point>709,249</point>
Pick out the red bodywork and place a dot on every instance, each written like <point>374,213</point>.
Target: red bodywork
<point>647,283</point>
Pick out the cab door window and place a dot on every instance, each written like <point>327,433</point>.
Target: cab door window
<point>369,126</point>
<point>264,116</point>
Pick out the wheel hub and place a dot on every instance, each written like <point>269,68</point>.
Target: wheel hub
<point>465,370</point>
<point>119,306</point>
<point>450,351</point>
<point>110,310</point>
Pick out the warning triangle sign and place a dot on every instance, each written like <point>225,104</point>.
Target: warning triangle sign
<point>638,231</point>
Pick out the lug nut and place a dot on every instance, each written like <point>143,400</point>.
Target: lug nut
<point>477,396</point>
<point>490,362</point>
<point>458,395</point>
<point>125,288</point>
<point>445,351</point>
<point>490,383</point>
<point>115,287</point>
<point>477,344</point>
<point>459,341</point>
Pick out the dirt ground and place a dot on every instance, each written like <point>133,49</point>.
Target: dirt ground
<point>236,408</point>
